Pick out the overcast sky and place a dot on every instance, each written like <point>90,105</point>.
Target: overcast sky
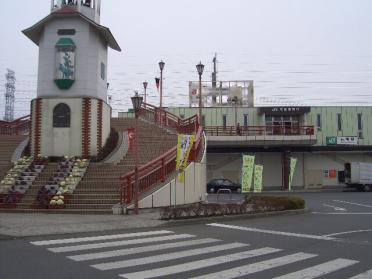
<point>311,52</point>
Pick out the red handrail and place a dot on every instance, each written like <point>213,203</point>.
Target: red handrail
<point>158,169</point>
<point>259,130</point>
<point>15,127</point>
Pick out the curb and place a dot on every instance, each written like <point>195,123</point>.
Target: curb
<point>200,220</point>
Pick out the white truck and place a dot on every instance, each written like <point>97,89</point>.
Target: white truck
<point>358,175</point>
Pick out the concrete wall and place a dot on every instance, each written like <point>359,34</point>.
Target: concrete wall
<point>90,51</point>
<point>192,190</point>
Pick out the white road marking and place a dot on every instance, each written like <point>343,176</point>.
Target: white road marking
<point>199,264</point>
<point>256,267</point>
<point>354,203</point>
<point>334,207</point>
<point>319,237</point>
<point>365,275</point>
<point>137,250</point>
<point>349,232</point>
<point>319,270</point>
<point>98,238</point>
<point>117,243</point>
<point>342,213</point>
<point>167,257</point>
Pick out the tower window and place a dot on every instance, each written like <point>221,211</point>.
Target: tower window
<point>61,116</point>
<point>103,71</point>
<point>69,32</point>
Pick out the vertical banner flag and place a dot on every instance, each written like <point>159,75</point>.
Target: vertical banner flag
<point>257,180</point>
<point>157,82</point>
<point>247,173</point>
<point>293,162</point>
<point>184,145</point>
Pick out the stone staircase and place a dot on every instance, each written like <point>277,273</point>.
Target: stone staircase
<point>99,190</point>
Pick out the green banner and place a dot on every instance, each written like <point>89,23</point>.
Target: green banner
<point>291,171</point>
<point>247,173</point>
<point>257,184</point>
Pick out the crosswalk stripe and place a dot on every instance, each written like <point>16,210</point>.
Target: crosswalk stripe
<point>118,243</point>
<point>168,256</point>
<point>319,270</point>
<point>137,250</point>
<point>199,264</point>
<point>257,267</point>
<point>300,235</point>
<point>97,238</point>
<point>364,275</point>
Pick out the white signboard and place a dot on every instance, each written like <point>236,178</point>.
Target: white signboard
<point>347,140</point>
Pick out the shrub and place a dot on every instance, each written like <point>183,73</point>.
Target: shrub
<point>280,203</point>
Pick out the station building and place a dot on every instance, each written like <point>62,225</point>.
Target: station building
<point>322,138</point>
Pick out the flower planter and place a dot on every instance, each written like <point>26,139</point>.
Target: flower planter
<point>56,206</point>
<point>8,205</point>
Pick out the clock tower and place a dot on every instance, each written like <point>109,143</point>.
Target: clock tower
<point>71,116</point>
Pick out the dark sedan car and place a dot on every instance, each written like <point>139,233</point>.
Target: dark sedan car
<point>222,183</point>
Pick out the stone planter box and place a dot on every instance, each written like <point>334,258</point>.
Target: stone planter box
<point>56,206</point>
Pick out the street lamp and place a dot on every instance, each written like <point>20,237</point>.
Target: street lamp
<point>137,102</point>
<point>145,83</point>
<point>200,68</point>
<point>161,66</point>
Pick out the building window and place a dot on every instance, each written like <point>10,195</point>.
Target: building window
<point>319,121</point>
<point>360,125</point>
<point>103,71</point>
<point>224,121</point>
<point>245,119</point>
<point>61,116</point>
<point>339,122</point>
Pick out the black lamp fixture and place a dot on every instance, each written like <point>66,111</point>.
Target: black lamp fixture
<point>200,68</point>
<point>136,101</point>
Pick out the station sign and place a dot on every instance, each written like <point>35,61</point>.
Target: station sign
<point>342,140</point>
<point>284,110</point>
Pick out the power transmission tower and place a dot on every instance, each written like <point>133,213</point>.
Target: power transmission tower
<point>9,95</point>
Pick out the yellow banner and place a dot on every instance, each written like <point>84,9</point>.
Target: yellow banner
<point>257,180</point>
<point>184,145</point>
<point>291,171</point>
<point>247,173</point>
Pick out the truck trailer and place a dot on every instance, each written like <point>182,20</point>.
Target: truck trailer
<point>358,175</point>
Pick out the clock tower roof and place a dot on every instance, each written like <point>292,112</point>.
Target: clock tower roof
<point>34,32</point>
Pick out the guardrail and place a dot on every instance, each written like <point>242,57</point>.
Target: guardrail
<point>16,127</point>
<point>259,130</point>
<point>158,169</point>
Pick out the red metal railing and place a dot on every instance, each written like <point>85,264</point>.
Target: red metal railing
<point>259,130</point>
<point>15,127</point>
<point>158,169</point>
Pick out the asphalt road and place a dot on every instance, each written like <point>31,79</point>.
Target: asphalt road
<point>333,240</point>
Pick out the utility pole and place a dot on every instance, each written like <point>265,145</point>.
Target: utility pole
<point>9,95</point>
<point>214,79</point>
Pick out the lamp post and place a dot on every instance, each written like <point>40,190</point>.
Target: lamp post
<point>145,83</point>
<point>137,102</point>
<point>200,68</point>
<point>161,66</point>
